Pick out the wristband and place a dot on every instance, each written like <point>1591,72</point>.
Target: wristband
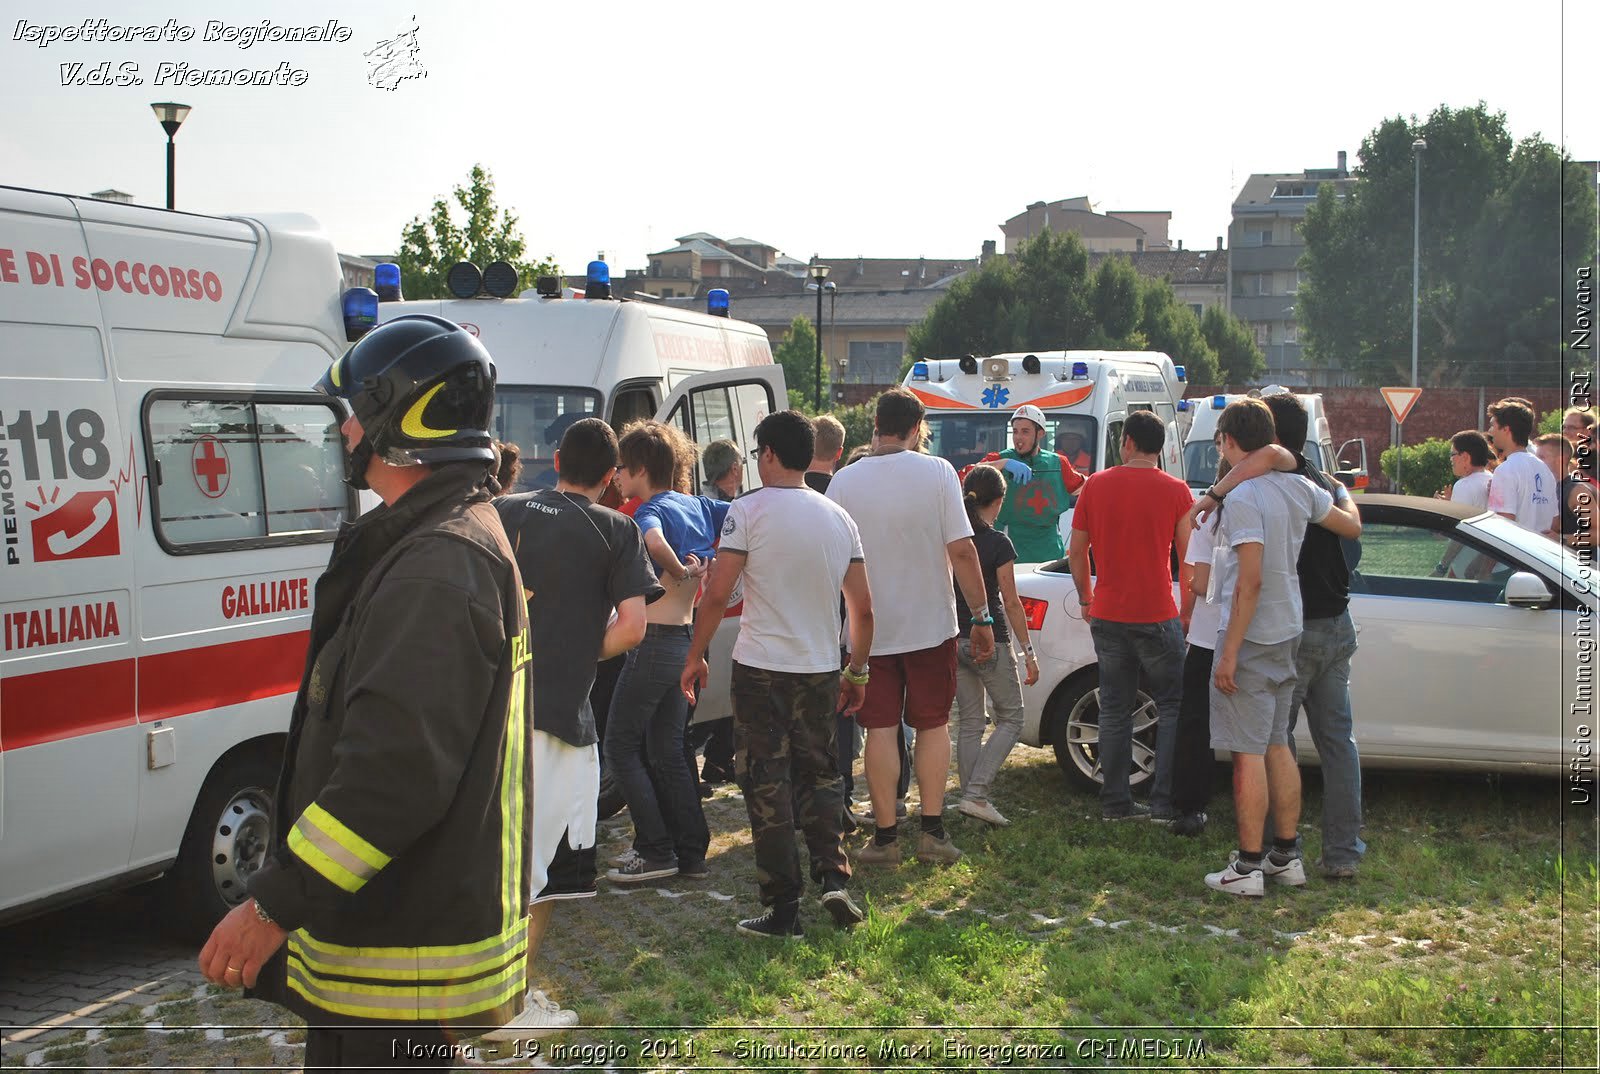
<point>1085,603</point>
<point>854,677</point>
<point>1213,493</point>
<point>987,620</point>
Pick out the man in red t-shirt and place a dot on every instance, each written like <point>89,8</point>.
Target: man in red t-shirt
<point>1134,517</point>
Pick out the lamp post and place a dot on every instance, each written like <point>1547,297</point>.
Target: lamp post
<point>171,116</point>
<point>833,339</point>
<point>819,273</point>
<point>1416,263</point>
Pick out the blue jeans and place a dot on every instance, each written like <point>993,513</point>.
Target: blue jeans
<point>1323,666</point>
<point>644,750</point>
<point>1122,649</point>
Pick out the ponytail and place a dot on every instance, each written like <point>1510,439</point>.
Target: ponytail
<point>983,486</point>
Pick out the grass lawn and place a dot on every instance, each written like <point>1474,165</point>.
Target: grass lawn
<point>1467,942</point>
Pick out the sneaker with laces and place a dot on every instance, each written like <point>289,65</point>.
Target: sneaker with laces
<point>640,870</point>
<point>694,870</point>
<point>1132,811</point>
<point>876,854</point>
<point>983,810</point>
<point>1189,824</point>
<point>540,1016</point>
<point>621,860</point>
<point>837,901</point>
<point>779,923</point>
<point>1234,882</point>
<point>930,848</point>
<point>1291,872</point>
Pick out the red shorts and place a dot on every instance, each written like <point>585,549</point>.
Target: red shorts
<point>920,684</point>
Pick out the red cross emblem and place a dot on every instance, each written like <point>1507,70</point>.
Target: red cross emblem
<point>1038,501</point>
<point>210,467</point>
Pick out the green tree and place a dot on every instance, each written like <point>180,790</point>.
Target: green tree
<point>1239,360</point>
<point>798,356</point>
<point>1492,213</point>
<point>430,245</point>
<point>1045,298</point>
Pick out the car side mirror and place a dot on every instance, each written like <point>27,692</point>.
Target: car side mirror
<point>1525,590</point>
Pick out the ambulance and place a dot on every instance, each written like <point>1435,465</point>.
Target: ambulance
<point>1085,396</point>
<point>169,490</point>
<point>1200,451</point>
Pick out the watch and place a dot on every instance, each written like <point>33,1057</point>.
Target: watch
<point>1213,493</point>
<point>263,916</point>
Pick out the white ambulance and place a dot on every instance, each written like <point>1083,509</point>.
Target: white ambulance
<point>169,488</point>
<point>1085,396</point>
<point>1200,451</point>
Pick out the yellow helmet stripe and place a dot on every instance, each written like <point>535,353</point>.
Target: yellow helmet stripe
<point>412,424</point>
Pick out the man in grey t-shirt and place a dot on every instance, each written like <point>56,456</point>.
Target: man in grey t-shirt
<point>1260,528</point>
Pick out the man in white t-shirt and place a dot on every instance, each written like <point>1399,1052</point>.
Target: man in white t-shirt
<point>795,551</point>
<point>1469,461</point>
<point>1522,489</point>
<point>915,531</point>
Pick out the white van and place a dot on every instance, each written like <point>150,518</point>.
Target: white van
<point>169,488</point>
<point>1200,451</point>
<point>1085,395</point>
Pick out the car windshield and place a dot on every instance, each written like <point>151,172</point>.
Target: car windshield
<point>534,419</point>
<point>1200,461</point>
<point>1535,546</point>
<point>965,438</point>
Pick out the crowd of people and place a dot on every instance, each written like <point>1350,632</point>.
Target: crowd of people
<point>443,767</point>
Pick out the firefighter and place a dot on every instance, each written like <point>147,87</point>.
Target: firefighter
<point>395,892</point>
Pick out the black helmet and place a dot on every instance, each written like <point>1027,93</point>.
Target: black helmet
<point>422,388</point>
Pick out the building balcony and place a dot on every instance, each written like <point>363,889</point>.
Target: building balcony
<point>1265,258</point>
<point>1254,308</point>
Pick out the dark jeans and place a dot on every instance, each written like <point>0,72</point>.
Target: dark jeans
<point>787,765</point>
<point>1122,650</point>
<point>717,738</point>
<point>345,1049</point>
<point>1191,755</point>
<point>644,750</point>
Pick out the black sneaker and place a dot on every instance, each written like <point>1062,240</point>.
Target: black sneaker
<point>1189,824</point>
<point>837,901</point>
<point>715,773</point>
<point>694,870</point>
<point>1132,811</point>
<point>776,923</point>
<point>639,870</point>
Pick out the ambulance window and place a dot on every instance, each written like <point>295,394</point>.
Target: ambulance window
<point>630,405</point>
<point>534,418</point>
<point>1113,444</point>
<point>232,473</point>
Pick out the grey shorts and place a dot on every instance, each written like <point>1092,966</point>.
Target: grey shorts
<point>1257,714</point>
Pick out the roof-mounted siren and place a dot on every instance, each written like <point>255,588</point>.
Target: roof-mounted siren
<point>968,363</point>
<point>717,302</point>
<point>1080,370</point>
<point>1183,406</point>
<point>386,281</point>
<point>919,371</point>
<point>464,280</point>
<point>1180,371</point>
<point>598,284</point>
<point>360,306</point>
<point>1030,363</point>
<point>500,279</point>
<point>547,286</point>
<point>1219,402</point>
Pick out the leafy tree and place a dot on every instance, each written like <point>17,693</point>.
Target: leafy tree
<point>857,421</point>
<point>1239,360</point>
<point>430,245</point>
<point>1490,291</point>
<point>798,356</point>
<point>1425,468</point>
<point>1172,328</point>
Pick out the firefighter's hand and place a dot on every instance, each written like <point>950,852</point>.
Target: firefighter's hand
<point>695,674</point>
<point>239,946</point>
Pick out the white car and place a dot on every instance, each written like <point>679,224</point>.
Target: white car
<point>1472,667</point>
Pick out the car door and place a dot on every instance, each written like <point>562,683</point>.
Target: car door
<point>1446,672</point>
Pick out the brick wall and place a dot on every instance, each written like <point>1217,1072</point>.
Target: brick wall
<point>1360,413</point>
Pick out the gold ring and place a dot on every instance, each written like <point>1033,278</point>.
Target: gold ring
<point>230,969</point>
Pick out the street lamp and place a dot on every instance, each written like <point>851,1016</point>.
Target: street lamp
<point>833,340</point>
<point>171,116</point>
<point>818,273</point>
<point>1416,236</point>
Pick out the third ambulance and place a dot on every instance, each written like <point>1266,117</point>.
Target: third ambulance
<point>1200,451</point>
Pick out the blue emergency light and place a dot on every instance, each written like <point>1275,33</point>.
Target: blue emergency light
<point>386,279</point>
<point>1219,402</point>
<point>1179,370</point>
<point>1183,405</point>
<point>1080,370</point>
<point>598,284</point>
<point>717,302</point>
<point>360,305</point>
<point>919,371</point>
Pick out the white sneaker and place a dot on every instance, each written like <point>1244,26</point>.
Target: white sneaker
<point>540,1016</point>
<point>1232,881</point>
<point>981,809</point>
<point>1291,872</point>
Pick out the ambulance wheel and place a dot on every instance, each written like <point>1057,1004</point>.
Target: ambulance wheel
<point>225,842</point>
<point>1075,722</point>
<point>610,803</point>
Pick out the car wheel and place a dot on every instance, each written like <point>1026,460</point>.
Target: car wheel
<point>1075,733</point>
<point>226,841</point>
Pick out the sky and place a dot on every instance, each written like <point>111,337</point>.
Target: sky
<point>879,128</point>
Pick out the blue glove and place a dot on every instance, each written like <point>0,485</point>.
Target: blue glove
<point>1020,473</point>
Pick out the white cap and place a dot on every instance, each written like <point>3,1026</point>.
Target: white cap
<point>1032,413</point>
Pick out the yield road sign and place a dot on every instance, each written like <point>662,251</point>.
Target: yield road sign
<point>1400,401</point>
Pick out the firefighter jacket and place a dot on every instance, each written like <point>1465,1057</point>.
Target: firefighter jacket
<point>398,862</point>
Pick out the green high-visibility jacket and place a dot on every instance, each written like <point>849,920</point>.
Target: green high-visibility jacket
<point>1032,513</point>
